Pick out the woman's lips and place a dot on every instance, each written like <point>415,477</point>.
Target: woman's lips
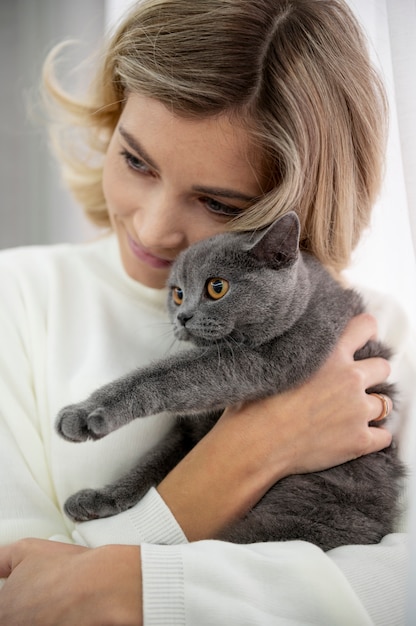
<point>145,256</point>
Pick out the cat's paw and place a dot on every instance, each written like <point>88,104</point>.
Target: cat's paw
<point>90,504</point>
<point>77,423</point>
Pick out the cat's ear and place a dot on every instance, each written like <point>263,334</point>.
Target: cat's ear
<point>278,244</point>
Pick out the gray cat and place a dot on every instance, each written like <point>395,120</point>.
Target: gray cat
<point>262,316</point>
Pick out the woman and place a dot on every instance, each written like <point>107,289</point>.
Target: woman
<point>203,116</point>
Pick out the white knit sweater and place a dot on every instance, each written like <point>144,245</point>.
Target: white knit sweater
<point>71,320</point>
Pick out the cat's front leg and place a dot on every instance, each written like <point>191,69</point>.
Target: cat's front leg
<point>107,409</point>
<point>91,504</point>
<point>191,382</point>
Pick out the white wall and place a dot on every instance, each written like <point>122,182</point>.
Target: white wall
<point>34,206</point>
<point>386,258</point>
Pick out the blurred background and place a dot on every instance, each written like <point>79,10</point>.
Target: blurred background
<point>34,206</point>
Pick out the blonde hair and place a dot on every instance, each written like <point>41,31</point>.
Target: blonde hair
<point>297,73</point>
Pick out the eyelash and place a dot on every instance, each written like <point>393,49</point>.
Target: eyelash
<point>135,163</point>
<point>214,206</point>
<point>222,209</point>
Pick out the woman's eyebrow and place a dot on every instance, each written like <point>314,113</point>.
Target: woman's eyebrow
<point>137,147</point>
<point>224,193</point>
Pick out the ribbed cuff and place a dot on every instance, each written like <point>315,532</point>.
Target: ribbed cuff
<point>163,586</point>
<point>149,521</point>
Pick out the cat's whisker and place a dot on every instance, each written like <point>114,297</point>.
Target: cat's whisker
<point>166,329</point>
<point>229,341</point>
<point>203,352</point>
<point>235,341</point>
<point>218,352</point>
<point>173,343</point>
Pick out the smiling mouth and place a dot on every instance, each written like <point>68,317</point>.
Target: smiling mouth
<point>147,257</point>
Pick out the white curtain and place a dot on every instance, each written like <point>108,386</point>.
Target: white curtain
<point>386,257</point>
<point>35,208</point>
<point>114,9</point>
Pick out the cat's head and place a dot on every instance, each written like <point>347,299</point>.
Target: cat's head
<point>241,287</point>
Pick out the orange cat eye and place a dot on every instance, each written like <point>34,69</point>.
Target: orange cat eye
<point>217,288</point>
<point>177,295</point>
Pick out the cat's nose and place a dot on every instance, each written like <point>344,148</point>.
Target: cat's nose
<point>184,317</point>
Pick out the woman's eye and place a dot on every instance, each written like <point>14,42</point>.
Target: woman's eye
<point>177,295</point>
<point>134,162</point>
<point>219,208</point>
<point>217,288</point>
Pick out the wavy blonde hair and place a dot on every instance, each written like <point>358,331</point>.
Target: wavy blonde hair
<point>296,73</point>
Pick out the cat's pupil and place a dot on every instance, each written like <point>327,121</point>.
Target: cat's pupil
<point>177,295</point>
<point>217,286</point>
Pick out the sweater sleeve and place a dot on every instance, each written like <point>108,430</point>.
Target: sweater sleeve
<point>294,583</point>
<point>27,502</point>
<point>35,473</point>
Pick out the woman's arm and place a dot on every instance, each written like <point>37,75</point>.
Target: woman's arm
<point>27,496</point>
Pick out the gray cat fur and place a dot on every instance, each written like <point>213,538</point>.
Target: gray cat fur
<point>277,324</point>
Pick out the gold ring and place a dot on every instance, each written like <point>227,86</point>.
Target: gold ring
<point>385,410</point>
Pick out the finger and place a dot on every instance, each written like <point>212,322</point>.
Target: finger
<point>380,438</point>
<point>372,371</point>
<point>13,554</point>
<point>358,331</point>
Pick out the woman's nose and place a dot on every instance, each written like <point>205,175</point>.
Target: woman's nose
<point>160,224</point>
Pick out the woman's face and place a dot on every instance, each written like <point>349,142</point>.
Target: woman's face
<point>170,181</point>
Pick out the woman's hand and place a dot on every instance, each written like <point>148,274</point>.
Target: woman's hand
<point>322,423</point>
<point>57,584</point>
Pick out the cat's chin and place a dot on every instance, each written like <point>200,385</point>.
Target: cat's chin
<point>183,334</point>
<point>197,341</point>
<point>235,337</point>
<point>205,342</point>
